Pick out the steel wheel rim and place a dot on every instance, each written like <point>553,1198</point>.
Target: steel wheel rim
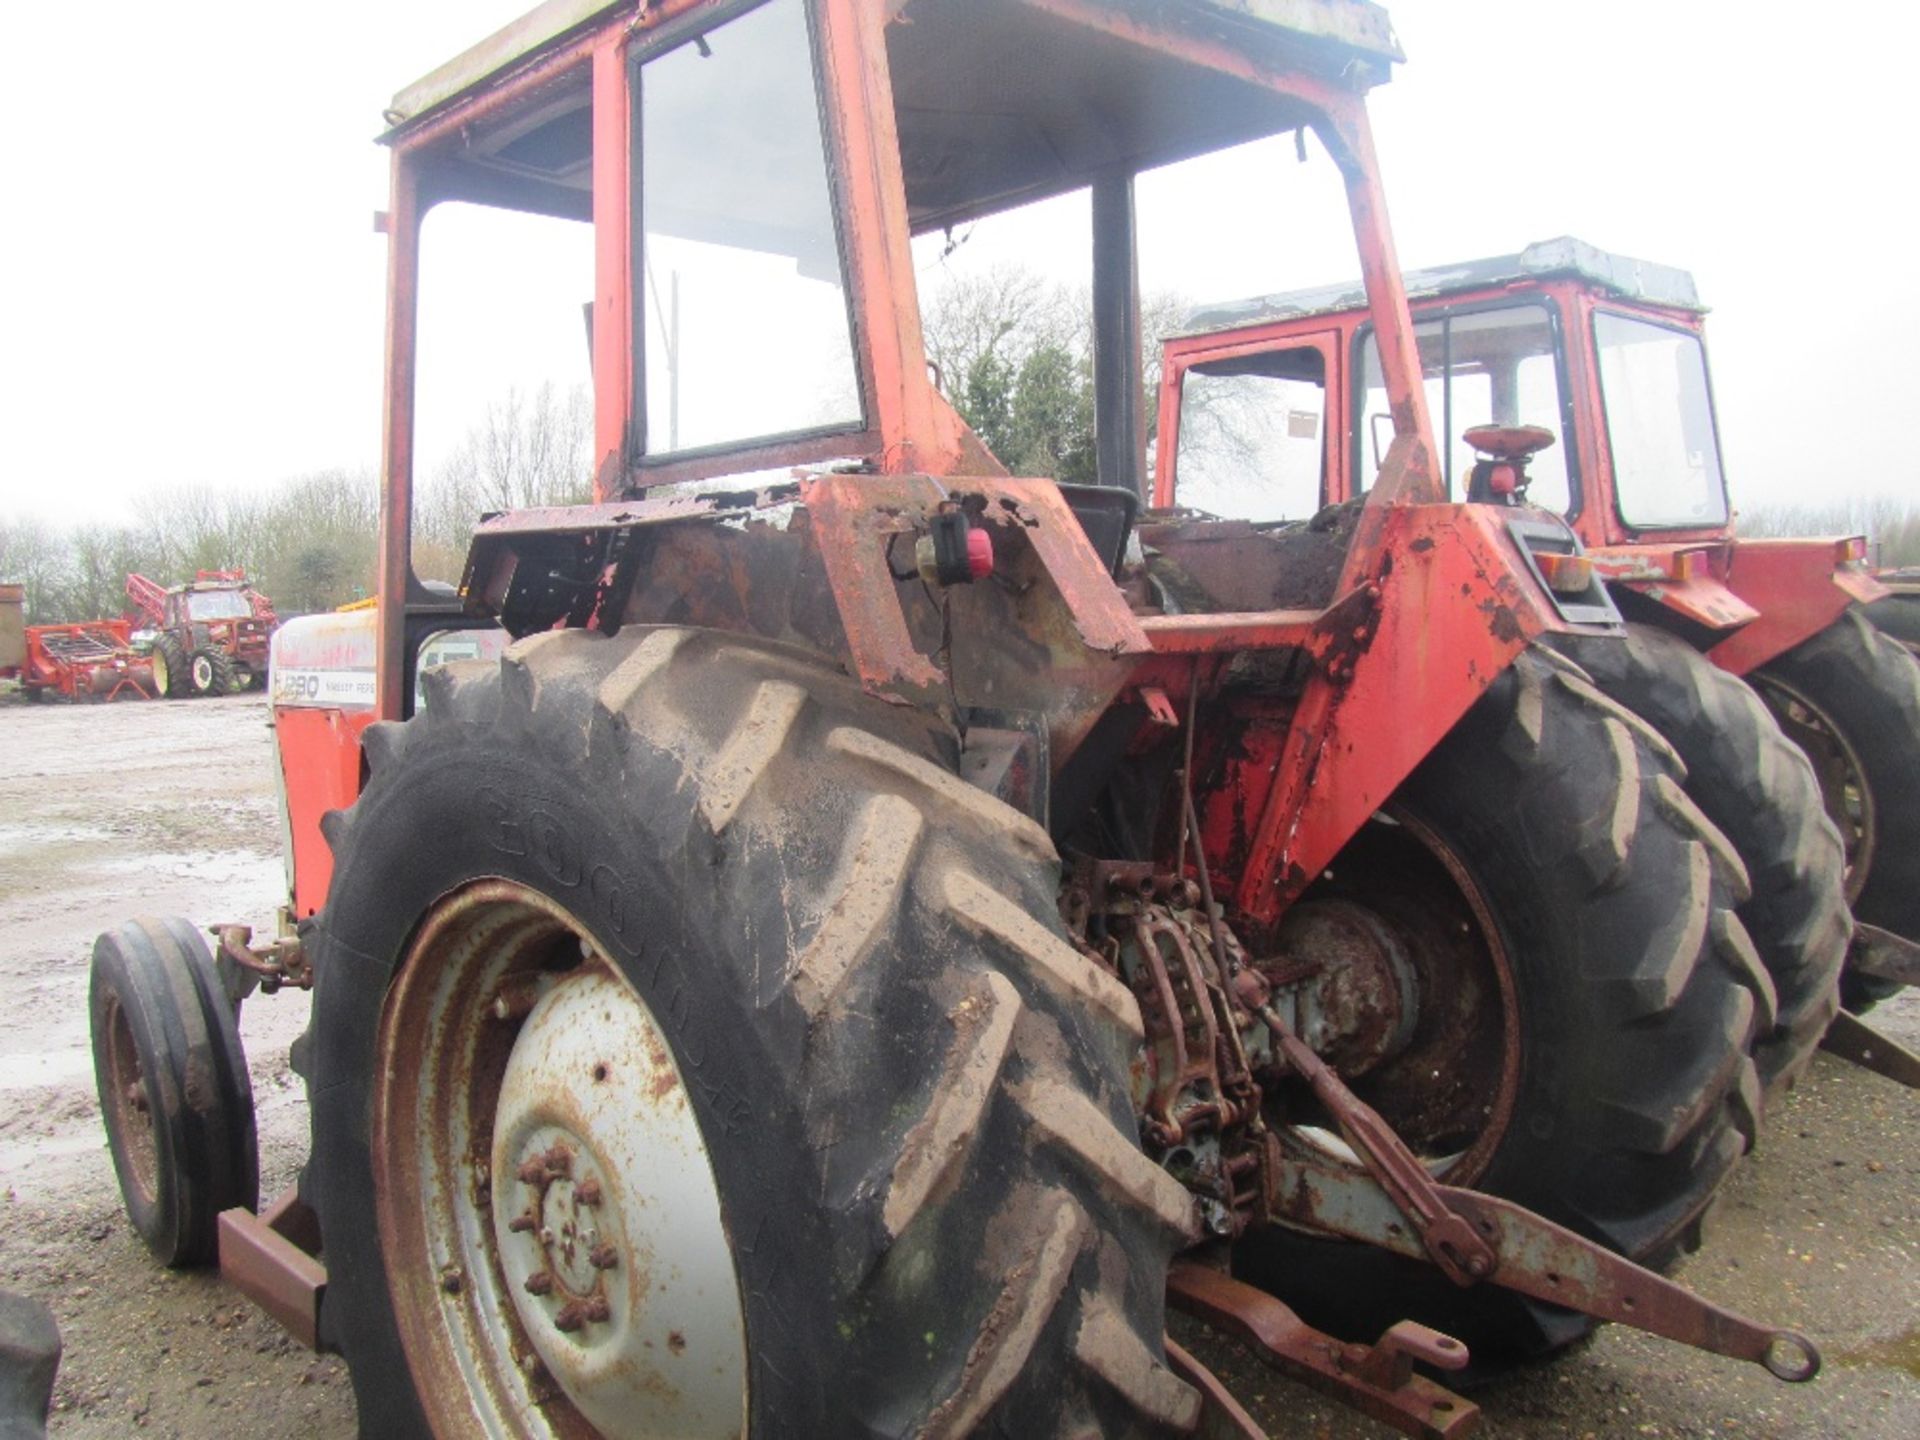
<point>1499,1056</point>
<point>1836,764</point>
<point>479,1122</point>
<point>202,671</point>
<point>162,676</point>
<point>129,1102</point>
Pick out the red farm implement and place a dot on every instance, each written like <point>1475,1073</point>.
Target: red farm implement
<point>90,660</point>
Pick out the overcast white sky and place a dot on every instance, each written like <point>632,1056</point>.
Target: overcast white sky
<point>194,290</point>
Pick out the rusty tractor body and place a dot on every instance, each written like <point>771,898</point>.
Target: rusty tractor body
<point>832,937</point>
<point>209,635</point>
<point>1574,381</point>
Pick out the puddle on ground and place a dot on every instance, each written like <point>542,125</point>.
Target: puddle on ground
<point>1897,1352</point>
<point>249,867</point>
<point>22,837</point>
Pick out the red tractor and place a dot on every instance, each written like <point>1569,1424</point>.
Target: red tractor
<point>210,635</point>
<point>1574,382</point>
<point>861,932</point>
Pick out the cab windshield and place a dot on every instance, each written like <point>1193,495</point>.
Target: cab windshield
<point>1666,460</point>
<point>1482,367</point>
<point>218,605</point>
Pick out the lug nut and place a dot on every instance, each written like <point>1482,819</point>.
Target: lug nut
<point>532,1172</point>
<point>520,1224</point>
<point>559,1160</point>
<point>587,1192</point>
<point>598,1310</point>
<point>604,1257</point>
<point>571,1317</point>
<point>540,1283</point>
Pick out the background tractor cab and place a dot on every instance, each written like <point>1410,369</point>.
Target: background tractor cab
<point>1601,352</point>
<point>1576,381</point>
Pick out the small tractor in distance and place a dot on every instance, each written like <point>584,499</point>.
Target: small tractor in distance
<point>210,634</point>
<point>1575,382</point>
<point>864,932</point>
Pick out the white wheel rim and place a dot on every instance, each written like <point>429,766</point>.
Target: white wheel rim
<point>586,1284</point>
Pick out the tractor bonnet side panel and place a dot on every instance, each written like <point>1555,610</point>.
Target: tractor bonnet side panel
<point>321,680</point>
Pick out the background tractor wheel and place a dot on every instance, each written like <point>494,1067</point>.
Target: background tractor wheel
<point>212,672</point>
<point>1759,789</point>
<point>1588,1002</point>
<point>171,672</point>
<point>1898,616</point>
<point>174,1090</point>
<point>1850,697</point>
<point>673,966</point>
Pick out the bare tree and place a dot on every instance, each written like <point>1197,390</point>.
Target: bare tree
<point>1013,351</point>
<point>33,554</point>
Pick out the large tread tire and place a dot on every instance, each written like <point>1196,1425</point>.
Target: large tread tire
<point>1867,687</point>
<point>1898,616</point>
<point>1638,998</point>
<point>159,1015</point>
<point>913,1090</point>
<point>176,683</point>
<point>1758,787</point>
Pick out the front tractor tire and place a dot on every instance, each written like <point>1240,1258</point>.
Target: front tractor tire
<point>1594,1064</point>
<point>212,672</point>
<point>1850,697</point>
<point>694,1053</point>
<point>1760,790</point>
<point>175,1094</point>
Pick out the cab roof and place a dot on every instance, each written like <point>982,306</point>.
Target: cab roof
<point>1561,258</point>
<point>999,102</point>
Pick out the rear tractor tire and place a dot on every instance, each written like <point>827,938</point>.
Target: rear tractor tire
<point>212,672</point>
<point>1898,615</point>
<point>1588,999</point>
<point>1760,790</point>
<point>694,1053</point>
<point>172,675</point>
<point>174,1090</point>
<point>1850,697</point>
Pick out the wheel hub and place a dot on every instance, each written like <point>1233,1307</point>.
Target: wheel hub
<point>1356,998</point>
<point>570,1246</point>
<point>607,1219</point>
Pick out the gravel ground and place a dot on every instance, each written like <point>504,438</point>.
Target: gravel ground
<point>167,808</point>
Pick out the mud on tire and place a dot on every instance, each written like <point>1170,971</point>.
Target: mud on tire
<point>913,1091</point>
<point>1638,994</point>
<point>1759,789</point>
